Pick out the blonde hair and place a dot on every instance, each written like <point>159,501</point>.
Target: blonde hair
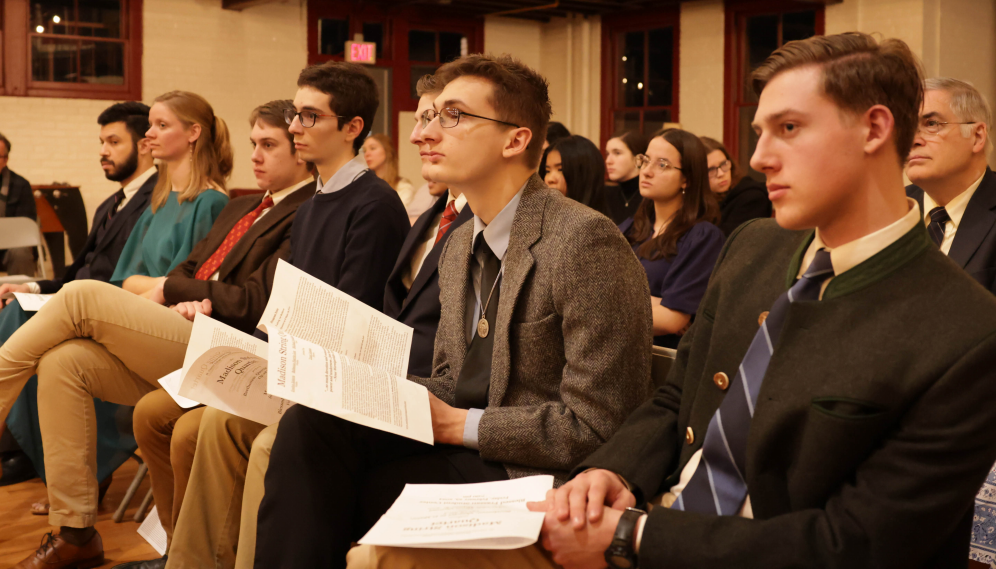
<point>390,159</point>
<point>211,158</point>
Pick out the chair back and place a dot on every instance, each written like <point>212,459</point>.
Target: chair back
<point>660,365</point>
<point>18,232</point>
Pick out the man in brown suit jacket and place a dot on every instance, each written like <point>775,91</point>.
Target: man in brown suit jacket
<point>536,363</point>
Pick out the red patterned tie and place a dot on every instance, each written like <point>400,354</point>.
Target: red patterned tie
<point>214,261</point>
<point>449,216</point>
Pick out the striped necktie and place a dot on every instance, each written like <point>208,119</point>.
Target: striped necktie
<point>449,216</point>
<point>214,261</point>
<point>938,218</point>
<point>719,484</point>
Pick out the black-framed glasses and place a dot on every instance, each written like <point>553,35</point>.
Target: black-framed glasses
<point>307,118</point>
<point>642,160</point>
<point>934,126</point>
<point>450,117</point>
<point>722,168</point>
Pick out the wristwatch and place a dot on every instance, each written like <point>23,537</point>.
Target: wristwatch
<point>620,554</point>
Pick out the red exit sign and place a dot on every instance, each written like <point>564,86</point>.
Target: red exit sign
<point>361,52</point>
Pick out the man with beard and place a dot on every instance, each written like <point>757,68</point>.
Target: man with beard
<point>125,158</point>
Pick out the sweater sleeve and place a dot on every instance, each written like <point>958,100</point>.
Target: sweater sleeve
<point>373,240</point>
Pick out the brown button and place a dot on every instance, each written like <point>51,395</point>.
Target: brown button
<point>762,318</point>
<point>689,436</point>
<point>721,380</point>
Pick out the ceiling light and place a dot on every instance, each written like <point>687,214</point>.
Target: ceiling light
<point>639,85</point>
<point>40,29</point>
<point>56,19</point>
<point>625,80</point>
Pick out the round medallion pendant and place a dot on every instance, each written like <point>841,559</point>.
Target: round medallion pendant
<point>483,328</point>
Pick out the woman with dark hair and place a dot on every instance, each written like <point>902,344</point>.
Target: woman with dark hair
<point>672,232</point>
<point>554,132</point>
<point>574,166</point>
<point>621,151</point>
<point>741,197</point>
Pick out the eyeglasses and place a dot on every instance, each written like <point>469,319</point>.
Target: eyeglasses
<point>307,118</point>
<point>933,126</point>
<point>717,171</point>
<point>450,117</point>
<point>662,165</point>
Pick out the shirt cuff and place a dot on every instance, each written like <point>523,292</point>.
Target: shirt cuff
<point>470,438</point>
<point>33,288</point>
<point>638,533</point>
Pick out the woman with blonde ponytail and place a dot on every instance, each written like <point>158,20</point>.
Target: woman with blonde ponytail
<point>195,160</point>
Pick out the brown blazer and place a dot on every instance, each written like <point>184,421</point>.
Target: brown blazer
<point>245,277</point>
<point>572,340</point>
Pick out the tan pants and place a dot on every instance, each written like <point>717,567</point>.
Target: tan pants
<point>377,557</point>
<point>90,340</point>
<point>218,513</point>
<point>167,435</point>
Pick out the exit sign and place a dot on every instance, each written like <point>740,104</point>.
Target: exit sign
<point>361,52</point>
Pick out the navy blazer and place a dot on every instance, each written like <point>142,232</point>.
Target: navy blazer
<point>100,253</point>
<point>974,245</point>
<point>20,197</point>
<point>419,307</point>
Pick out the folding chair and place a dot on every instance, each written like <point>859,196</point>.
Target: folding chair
<point>17,232</point>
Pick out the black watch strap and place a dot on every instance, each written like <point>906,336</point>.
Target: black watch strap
<point>621,553</point>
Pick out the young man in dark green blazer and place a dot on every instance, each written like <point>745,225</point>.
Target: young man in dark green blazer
<point>831,405</point>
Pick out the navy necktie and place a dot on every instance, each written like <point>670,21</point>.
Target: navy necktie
<point>938,218</point>
<point>719,484</point>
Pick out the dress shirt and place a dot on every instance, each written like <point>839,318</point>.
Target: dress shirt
<point>345,176</point>
<point>423,250</point>
<point>844,258</point>
<point>277,197</point>
<point>129,192</point>
<point>956,210</point>
<point>497,234</point>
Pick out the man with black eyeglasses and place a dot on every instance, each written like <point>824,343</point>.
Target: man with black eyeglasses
<point>951,181</point>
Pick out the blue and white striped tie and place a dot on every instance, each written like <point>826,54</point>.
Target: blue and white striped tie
<point>719,485</point>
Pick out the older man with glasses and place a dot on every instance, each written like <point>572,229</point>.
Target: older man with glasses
<point>951,181</point>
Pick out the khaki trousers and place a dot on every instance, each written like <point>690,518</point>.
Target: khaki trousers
<point>92,339</point>
<point>167,435</point>
<point>218,513</point>
<point>378,557</point>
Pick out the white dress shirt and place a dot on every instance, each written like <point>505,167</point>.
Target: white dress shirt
<point>423,250</point>
<point>956,210</point>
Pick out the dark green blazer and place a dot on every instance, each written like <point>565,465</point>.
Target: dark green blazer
<point>874,426</point>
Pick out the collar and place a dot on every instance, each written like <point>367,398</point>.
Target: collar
<point>279,195</point>
<point>499,230</point>
<point>956,207</point>
<point>850,255</point>
<point>460,202</point>
<point>345,176</point>
<point>133,186</point>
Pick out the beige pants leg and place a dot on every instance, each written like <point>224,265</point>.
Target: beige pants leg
<point>207,530</point>
<point>259,460</point>
<point>377,557</point>
<point>111,344</point>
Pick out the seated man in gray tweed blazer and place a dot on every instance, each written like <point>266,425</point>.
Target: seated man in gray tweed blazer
<point>543,346</point>
<point>831,407</point>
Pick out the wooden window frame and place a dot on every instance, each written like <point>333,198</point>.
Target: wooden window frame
<point>15,58</point>
<point>737,13</point>
<point>394,54</point>
<point>613,24</point>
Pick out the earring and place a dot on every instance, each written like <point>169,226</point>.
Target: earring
<point>191,152</point>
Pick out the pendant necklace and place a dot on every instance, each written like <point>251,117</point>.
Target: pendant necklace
<point>483,328</point>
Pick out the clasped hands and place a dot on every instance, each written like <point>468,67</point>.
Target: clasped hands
<point>581,518</point>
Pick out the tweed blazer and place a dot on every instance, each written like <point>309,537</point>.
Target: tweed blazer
<point>572,342</point>
<point>245,276</point>
<point>873,428</point>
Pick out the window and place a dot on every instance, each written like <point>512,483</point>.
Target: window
<point>72,48</point>
<point>753,31</point>
<point>427,50</point>
<point>640,69</point>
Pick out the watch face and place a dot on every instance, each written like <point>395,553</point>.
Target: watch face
<point>621,562</point>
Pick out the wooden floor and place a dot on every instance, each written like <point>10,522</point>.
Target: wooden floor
<point>21,532</point>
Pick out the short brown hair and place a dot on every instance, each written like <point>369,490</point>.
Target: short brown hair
<point>352,90</point>
<point>520,94</point>
<point>858,73</point>
<point>427,85</point>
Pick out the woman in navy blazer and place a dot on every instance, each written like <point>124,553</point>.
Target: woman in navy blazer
<point>673,232</point>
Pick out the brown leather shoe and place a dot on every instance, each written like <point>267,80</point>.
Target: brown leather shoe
<point>57,553</point>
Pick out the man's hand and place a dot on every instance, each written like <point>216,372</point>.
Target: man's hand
<point>447,422</point>
<point>588,493</point>
<point>583,548</point>
<point>155,294</point>
<point>4,289</point>
<point>189,309</point>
